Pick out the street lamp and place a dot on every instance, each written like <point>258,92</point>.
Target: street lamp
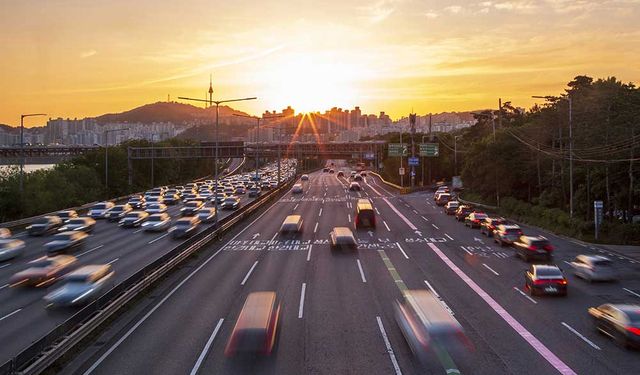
<point>22,159</point>
<point>550,98</point>
<point>258,137</point>
<point>106,155</point>
<point>455,153</point>
<point>217,103</point>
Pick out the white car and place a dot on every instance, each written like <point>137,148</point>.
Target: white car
<point>297,189</point>
<point>156,208</point>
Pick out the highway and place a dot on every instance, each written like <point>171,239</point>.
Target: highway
<point>337,315</point>
<point>23,317</point>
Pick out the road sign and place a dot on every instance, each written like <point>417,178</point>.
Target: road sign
<point>369,156</point>
<point>401,171</point>
<point>413,173</point>
<point>414,161</point>
<point>429,149</point>
<point>597,216</point>
<point>398,149</point>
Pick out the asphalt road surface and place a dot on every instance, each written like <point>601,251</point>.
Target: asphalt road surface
<point>338,315</point>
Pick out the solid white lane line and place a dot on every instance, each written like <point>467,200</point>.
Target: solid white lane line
<point>302,292</point>
<point>632,292</point>
<point>320,214</point>
<point>402,250</point>
<point>113,261</point>
<point>387,344</point>
<point>274,236</point>
<point>415,212</point>
<point>138,231</point>
<point>364,280</point>
<point>309,253</point>
<point>465,249</point>
<point>163,300</point>
<point>5,265</point>
<point>249,273</point>
<point>425,219</point>
<point>385,224</point>
<point>435,226</point>
<point>8,315</point>
<point>315,229</point>
<point>4,286</point>
<point>581,336</point>
<point>349,215</point>
<point>377,211</point>
<point>205,350</point>
<point>490,269</point>
<point>524,294</point>
<point>449,237</point>
<point>407,221</point>
<point>296,206</point>
<point>536,344</point>
<point>158,239</point>
<point>90,250</point>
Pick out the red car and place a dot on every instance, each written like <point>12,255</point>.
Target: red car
<point>462,212</point>
<point>44,271</point>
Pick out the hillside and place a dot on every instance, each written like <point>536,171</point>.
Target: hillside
<point>178,113</point>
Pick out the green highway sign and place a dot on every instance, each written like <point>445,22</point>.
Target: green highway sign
<point>398,149</point>
<point>429,149</point>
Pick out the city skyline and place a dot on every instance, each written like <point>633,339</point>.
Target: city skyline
<point>79,59</point>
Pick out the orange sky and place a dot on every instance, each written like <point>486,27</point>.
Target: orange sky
<point>76,58</point>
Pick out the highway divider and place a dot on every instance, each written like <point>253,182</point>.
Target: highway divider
<point>43,353</point>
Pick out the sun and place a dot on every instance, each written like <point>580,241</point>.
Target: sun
<point>309,83</point>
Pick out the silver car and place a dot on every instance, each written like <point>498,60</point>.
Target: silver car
<point>594,268</point>
<point>207,214</point>
<point>99,210</point>
<point>157,223</point>
<point>10,248</point>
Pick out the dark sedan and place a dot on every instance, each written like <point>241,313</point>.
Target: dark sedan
<point>134,219</point>
<point>191,208</point>
<point>230,203</point>
<point>619,321</point>
<point>545,279</point>
<point>118,212</point>
<point>44,225</point>
<point>185,227</point>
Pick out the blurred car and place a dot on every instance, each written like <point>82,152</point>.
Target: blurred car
<point>157,222</point>
<point>621,322</point>
<point>185,227</point>
<point>10,248</point>
<point>118,212</point>
<point>533,247</point>
<point>490,224</point>
<point>189,197</point>
<point>133,219</point>
<point>65,241</point>
<point>273,184</point>
<point>44,225</point>
<point>81,286</point>
<point>342,237</point>
<point>5,233</point>
<point>594,268</point>
<point>365,215</point>
<point>304,177</point>
<point>440,190</point>
<point>545,279</point>
<point>256,329</point>
<point>44,271</point>
<point>443,198</point>
<point>325,170</point>
<point>218,198</point>
<point>292,225</point>
<point>137,202</point>
<point>82,224</point>
<point>66,215</point>
<point>158,199</point>
<point>297,189</point>
<point>357,177</point>
<point>191,208</point>
<point>156,208</point>
<point>171,199</point>
<point>354,186</point>
<point>340,174</point>
<point>241,190</point>
<point>207,214</point>
<point>451,207</point>
<point>333,171</point>
<point>363,173</point>
<point>475,219</point>
<point>99,210</point>
<point>463,211</point>
<point>506,234</point>
<point>254,191</point>
<point>230,203</point>
<point>426,325</point>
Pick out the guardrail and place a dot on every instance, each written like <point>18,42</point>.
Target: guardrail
<point>46,351</point>
<point>390,184</point>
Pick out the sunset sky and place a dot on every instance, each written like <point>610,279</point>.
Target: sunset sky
<point>77,58</point>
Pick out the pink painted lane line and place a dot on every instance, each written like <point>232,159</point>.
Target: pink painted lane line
<point>519,328</point>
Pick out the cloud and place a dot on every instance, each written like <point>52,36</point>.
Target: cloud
<point>380,11</point>
<point>88,53</point>
<point>453,8</point>
<point>431,14</point>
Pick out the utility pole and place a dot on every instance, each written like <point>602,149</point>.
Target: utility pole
<point>106,156</point>
<point>217,103</point>
<point>401,153</point>
<point>570,156</point>
<point>258,138</point>
<point>412,121</point>
<point>455,153</point>
<point>22,157</point>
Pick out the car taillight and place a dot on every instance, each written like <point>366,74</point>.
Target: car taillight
<point>531,247</point>
<point>548,247</point>
<point>634,330</point>
<point>476,220</point>
<point>561,281</point>
<point>539,282</point>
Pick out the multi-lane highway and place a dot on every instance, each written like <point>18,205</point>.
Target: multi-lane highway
<point>337,307</point>
<point>23,317</point>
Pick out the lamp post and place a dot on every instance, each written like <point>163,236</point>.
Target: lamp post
<point>569,100</point>
<point>217,103</point>
<point>258,137</point>
<point>423,159</point>
<point>106,156</point>
<point>455,153</point>
<point>22,158</point>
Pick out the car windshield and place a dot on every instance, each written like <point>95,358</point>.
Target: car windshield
<point>63,237</point>
<point>43,220</point>
<point>156,218</point>
<point>549,272</point>
<point>634,316</point>
<point>539,243</point>
<point>100,206</point>
<point>602,263</point>
<point>77,221</point>
<point>133,215</point>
